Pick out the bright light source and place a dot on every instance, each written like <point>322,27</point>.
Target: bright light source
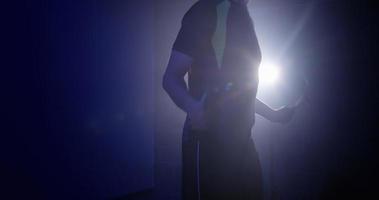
<point>268,73</point>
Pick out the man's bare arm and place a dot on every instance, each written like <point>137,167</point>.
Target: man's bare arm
<point>282,115</point>
<point>175,86</point>
<point>263,109</point>
<point>173,80</point>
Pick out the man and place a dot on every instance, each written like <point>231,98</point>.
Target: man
<point>218,48</point>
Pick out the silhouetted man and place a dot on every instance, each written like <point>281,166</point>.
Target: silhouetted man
<point>218,48</point>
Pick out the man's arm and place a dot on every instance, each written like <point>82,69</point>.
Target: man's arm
<point>282,115</point>
<point>263,109</point>
<point>174,84</point>
<point>173,80</point>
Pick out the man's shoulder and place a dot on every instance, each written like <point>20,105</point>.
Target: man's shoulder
<point>199,12</point>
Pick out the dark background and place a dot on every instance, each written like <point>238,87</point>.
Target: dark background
<point>78,110</point>
<point>85,117</point>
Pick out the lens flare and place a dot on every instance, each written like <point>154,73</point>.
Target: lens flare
<point>268,74</point>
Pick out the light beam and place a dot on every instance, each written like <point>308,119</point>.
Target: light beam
<point>268,74</point>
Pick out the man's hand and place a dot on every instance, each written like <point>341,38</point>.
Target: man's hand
<point>196,116</point>
<point>283,115</point>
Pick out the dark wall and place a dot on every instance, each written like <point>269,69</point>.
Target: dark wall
<point>79,99</point>
<point>328,151</point>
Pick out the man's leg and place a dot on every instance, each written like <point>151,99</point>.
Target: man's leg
<point>253,173</point>
<point>190,148</point>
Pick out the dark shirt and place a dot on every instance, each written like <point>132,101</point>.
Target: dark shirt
<point>231,89</point>
<point>195,40</point>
